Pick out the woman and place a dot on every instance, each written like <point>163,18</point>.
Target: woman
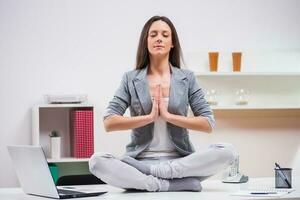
<point>160,156</point>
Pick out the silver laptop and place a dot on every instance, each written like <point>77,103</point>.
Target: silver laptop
<point>34,174</point>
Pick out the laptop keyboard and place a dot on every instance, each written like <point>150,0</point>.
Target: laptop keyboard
<point>66,192</point>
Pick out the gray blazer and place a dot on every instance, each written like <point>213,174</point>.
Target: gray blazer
<point>133,92</point>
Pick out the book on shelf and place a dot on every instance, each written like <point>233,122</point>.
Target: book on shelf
<point>82,133</point>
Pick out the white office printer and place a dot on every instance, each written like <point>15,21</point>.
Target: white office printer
<point>65,99</point>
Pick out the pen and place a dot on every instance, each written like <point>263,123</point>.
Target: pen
<point>263,193</point>
<point>282,174</point>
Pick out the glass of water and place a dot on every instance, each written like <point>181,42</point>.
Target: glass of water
<point>242,96</point>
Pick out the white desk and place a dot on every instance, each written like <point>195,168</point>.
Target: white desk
<point>212,190</point>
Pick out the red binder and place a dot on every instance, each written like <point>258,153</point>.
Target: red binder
<point>82,133</point>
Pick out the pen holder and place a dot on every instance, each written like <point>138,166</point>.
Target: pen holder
<point>282,176</point>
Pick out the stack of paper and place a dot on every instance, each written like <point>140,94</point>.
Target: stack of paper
<point>263,192</point>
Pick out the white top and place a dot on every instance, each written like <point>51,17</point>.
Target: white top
<point>161,144</point>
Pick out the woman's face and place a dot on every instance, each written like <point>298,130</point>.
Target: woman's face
<point>159,38</point>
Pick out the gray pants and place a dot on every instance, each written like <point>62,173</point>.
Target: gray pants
<point>199,164</point>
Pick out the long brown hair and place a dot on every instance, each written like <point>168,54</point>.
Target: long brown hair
<point>142,56</point>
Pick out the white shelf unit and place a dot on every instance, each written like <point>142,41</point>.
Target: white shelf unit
<point>271,94</point>
<point>47,117</point>
<point>67,160</point>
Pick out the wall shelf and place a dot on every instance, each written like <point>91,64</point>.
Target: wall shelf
<point>270,93</point>
<point>256,112</point>
<point>278,74</point>
<point>247,107</point>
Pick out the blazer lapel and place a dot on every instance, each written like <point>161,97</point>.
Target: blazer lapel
<point>142,89</point>
<point>177,88</point>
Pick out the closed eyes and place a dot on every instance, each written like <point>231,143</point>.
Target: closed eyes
<point>155,33</point>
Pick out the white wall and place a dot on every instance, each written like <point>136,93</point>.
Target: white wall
<point>84,47</point>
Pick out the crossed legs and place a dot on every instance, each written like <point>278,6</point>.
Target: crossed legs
<point>184,173</point>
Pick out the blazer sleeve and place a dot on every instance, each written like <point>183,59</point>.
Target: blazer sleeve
<point>197,102</point>
<point>120,101</point>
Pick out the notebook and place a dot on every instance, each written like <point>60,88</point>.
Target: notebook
<point>264,192</point>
